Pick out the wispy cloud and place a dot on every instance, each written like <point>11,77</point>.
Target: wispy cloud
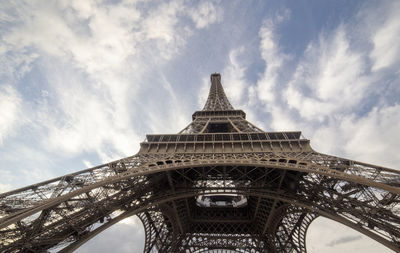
<point>373,138</point>
<point>326,236</point>
<point>10,109</point>
<point>385,52</point>
<point>273,56</point>
<point>233,75</point>
<point>205,14</point>
<point>329,74</point>
<point>93,57</point>
<point>343,240</point>
<point>336,90</point>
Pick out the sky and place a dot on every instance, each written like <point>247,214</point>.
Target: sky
<point>82,82</point>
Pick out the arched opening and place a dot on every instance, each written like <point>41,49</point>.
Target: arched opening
<point>123,237</point>
<point>217,174</point>
<point>325,235</point>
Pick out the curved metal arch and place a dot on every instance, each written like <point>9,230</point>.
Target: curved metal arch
<point>134,165</point>
<point>356,227</point>
<point>299,204</point>
<point>158,235</point>
<point>174,165</point>
<point>148,231</point>
<point>288,216</point>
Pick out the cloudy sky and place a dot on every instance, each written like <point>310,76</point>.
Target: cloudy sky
<point>82,82</point>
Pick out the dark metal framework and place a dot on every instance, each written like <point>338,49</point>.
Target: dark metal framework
<point>286,184</point>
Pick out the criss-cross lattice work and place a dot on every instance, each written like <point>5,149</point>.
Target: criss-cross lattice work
<point>263,191</point>
<point>217,100</point>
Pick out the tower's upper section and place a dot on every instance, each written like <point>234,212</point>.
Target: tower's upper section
<point>217,100</point>
<point>219,128</point>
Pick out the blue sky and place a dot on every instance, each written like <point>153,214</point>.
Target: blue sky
<point>82,82</point>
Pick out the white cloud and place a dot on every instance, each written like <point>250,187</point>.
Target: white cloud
<point>273,57</point>
<point>271,53</point>
<point>386,50</point>
<point>269,88</point>
<point>176,117</point>
<point>340,103</point>
<point>372,138</point>
<point>93,121</point>
<point>233,77</point>
<point>283,120</point>
<point>101,54</point>
<point>332,84</point>
<point>94,55</point>
<point>240,92</point>
<point>162,30</point>
<point>132,221</point>
<point>205,14</point>
<point>336,237</point>
<point>87,164</point>
<point>329,80</point>
<point>10,109</point>
<point>5,187</point>
<point>125,236</point>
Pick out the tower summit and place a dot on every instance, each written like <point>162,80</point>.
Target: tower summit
<point>219,185</point>
<point>217,100</point>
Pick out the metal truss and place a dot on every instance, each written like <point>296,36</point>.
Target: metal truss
<point>70,210</point>
<point>286,184</point>
<point>217,100</point>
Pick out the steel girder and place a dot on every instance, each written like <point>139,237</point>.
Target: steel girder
<point>68,211</point>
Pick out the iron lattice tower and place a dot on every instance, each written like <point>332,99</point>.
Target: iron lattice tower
<point>219,185</point>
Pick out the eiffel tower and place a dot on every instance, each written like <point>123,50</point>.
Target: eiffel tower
<point>219,185</point>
